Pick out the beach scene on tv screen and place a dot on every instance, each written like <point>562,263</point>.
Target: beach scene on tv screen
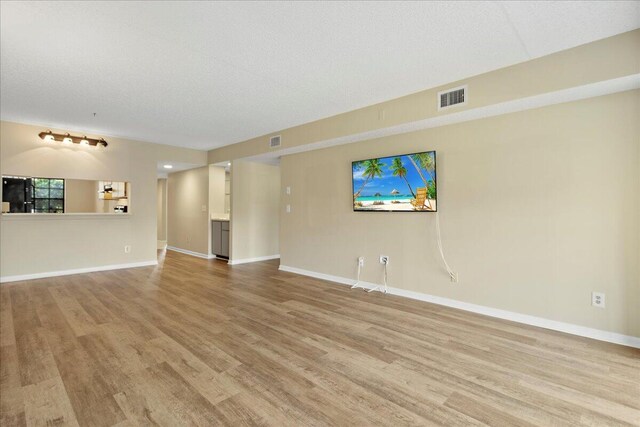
<point>396,183</point>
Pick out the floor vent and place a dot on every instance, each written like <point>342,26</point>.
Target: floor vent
<point>451,97</point>
<point>274,141</point>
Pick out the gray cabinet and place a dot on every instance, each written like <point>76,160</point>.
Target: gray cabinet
<point>220,238</point>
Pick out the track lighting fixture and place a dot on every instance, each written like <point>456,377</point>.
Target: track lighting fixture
<point>68,139</point>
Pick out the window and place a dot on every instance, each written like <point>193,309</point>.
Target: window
<point>47,195</point>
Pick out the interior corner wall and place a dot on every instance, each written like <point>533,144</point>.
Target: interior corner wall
<point>188,210</point>
<point>255,210</point>
<point>45,244</point>
<point>537,208</point>
<point>162,209</point>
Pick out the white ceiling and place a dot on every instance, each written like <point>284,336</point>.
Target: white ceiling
<point>203,75</point>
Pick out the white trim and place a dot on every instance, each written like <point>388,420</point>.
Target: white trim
<point>18,278</point>
<point>192,253</point>
<point>162,244</point>
<point>248,260</point>
<point>329,277</point>
<point>569,328</point>
<point>466,97</point>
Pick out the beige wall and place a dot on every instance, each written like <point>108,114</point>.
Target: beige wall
<point>188,221</point>
<point>67,242</point>
<point>227,192</point>
<point>80,195</point>
<point>216,191</point>
<point>538,209</point>
<point>605,59</point>
<point>162,209</point>
<point>255,206</point>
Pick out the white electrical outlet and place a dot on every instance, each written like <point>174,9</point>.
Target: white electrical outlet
<point>454,277</point>
<point>288,208</point>
<point>127,249</point>
<point>361,261</point>
<point>598,299</point>
<point>288,190</point>
<point>384,259</point>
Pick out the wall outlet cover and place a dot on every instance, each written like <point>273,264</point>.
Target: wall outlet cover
<point>598,299</point>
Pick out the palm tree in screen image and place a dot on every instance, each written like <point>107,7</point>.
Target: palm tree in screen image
<point>398,169</point>
<point>372,168</point>
<point>426,161</point>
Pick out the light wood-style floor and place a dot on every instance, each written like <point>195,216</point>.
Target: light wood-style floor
<point>198,342</point>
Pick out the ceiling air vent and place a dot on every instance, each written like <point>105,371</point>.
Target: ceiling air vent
<point>449,98</point>
<point>274,141</point>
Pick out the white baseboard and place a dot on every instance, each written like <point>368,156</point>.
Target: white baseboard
<point>18,278</point>
<point>569,328</point>
<point>248,260</point>
<point>192,253</point>
<point>329,277</point>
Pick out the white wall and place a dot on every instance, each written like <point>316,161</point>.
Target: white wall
<point>255,206</point>
<point>41,244</point>
<point>538,209</point>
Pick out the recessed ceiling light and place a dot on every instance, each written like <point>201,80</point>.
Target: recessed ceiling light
<point>168,166</point>
<point>229,164</point>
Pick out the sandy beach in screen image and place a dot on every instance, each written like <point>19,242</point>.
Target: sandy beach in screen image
<point>401,206</point>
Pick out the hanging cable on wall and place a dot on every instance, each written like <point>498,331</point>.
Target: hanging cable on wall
<point>382,289</point>
<point>452,274</point>
<point>357,284</point>
<point>385,261</point>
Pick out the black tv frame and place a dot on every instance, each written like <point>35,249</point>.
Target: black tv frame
<point>435,161</point>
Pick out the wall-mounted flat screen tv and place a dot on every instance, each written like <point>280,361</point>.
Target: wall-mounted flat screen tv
<point>403,183</point>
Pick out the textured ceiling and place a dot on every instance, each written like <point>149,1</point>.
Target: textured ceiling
<point>203,75</point>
